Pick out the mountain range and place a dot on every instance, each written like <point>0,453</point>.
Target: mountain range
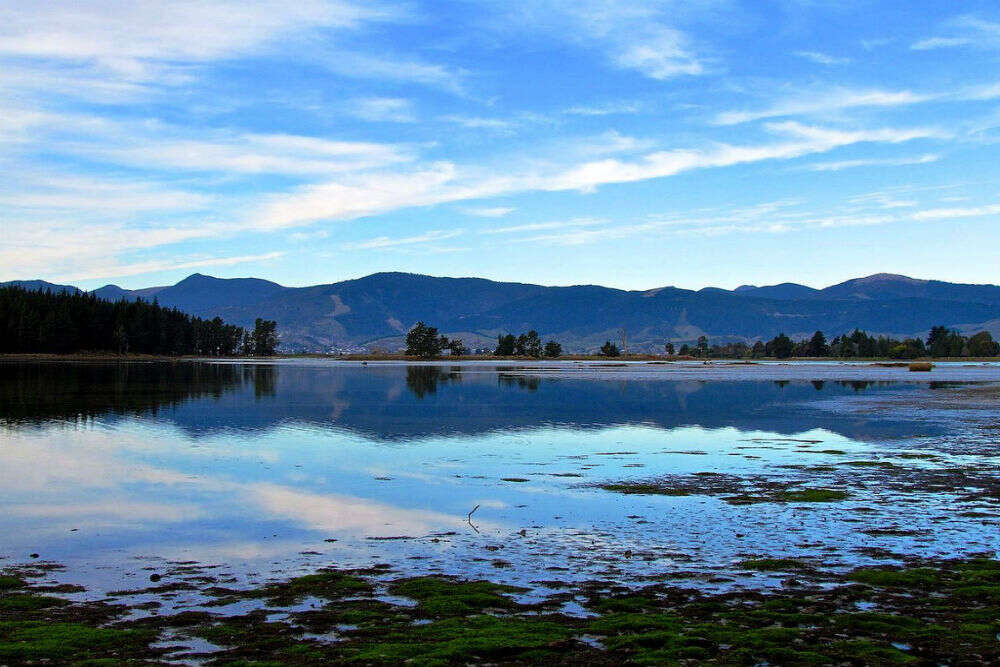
<point>376,311</point>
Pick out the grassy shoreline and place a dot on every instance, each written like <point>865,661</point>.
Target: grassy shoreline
<point>923,612</point>
<point>662,359</point>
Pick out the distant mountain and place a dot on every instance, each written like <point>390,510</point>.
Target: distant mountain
<point>882,286</point>
<point>789,291</point>
<point>377,310</point>
<point>35,285</point>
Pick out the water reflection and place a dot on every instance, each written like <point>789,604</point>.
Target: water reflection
<point>37,392</point>
<point>206,461</point>
<point>412,402</point>
<point>424,380</point>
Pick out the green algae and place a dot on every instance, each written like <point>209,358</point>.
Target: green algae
<point>441,596</point>
<point>28,602</point>
<point>8,582</point>
<point>328,585</point>
<point>810,495</point>
<point>772,564</point>
<point>868,464</point>
<point>644,489</point>
<point>32,641</point>
<point>928,612</point>
<point>478,638</point>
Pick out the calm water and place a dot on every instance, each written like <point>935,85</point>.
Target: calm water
<point>267,469</point>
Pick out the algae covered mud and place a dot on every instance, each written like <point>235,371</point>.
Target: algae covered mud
<point>309,512</point>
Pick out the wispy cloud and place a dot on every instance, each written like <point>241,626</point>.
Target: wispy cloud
<point>610,109</point>
<point>245,154</point>
<point>388,242</point>
<point>835,100</point>
<point>116,270</point>
<point>490,211</point>
<point>383,109</point>
<point>479,122</point>
<point>158,42</point>
<point>636,35</point>
<point>663,53</point>
<point>955,213</point>
<point>940,43</point>
<point>822,58</point>
<point>56,192</point>
<point>379,192</point>
<point>873,162</point>
<point>401,69</point>
<point>967,30</point>
<point>538,226</point>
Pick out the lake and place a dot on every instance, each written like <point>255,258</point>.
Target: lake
<point>489,470</point>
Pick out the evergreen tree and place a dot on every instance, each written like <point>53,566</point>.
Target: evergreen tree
<point>532,344</point>
<point>609,349</point>
<point>505,345</point>
<point>702,346</point>
<point>457,347</point>
<point>818,346</point>
<point>424,341</point>
<point>45,322</point>
<point>265,337</point>
<point>779,347</point>
<point>553,349</point>
<point>983,345</point>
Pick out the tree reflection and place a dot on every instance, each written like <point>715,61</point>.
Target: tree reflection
<point>424,380</point>
<point>37,392</point>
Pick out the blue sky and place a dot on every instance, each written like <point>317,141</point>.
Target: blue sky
<point>632,144</point>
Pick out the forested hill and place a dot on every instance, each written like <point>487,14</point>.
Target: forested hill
<point>46,321</point>
<point>378,310</point>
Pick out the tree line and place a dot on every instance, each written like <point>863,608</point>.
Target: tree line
<point>425,341</point>
<point>940,342</point>
<point>60,323</point>
<point>526,345</point>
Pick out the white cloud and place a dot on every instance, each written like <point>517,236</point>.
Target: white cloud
<point>805,140</point>
<point>395,68</point>
<point>241,153</point>
<point>110,51</point>
<point>387,242</point>
<point>476,122</point>
<point>537,226</point>
<point>490,212</point>
<point>117,270</point>
<point>132,45</point>
<point>383,109</point>
<point>955,213</point>
<point>603,109</point>
<point>940,43</point>
<point>378,192</point>
<point>127,35</point>
<point>822,58</point>
<point>873,162</point>
<point>639,35</point>
<point>967,31</point>
<point>835,100</point>
<point>88,194</point>
<point>664,54</point>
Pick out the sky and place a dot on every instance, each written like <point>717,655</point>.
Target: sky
<point>633,144</point>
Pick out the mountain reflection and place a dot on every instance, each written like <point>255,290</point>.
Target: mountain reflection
<point>394,403</point>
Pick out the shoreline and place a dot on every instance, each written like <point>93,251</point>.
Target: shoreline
<point>882,362</point>
<point>878,615</point>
